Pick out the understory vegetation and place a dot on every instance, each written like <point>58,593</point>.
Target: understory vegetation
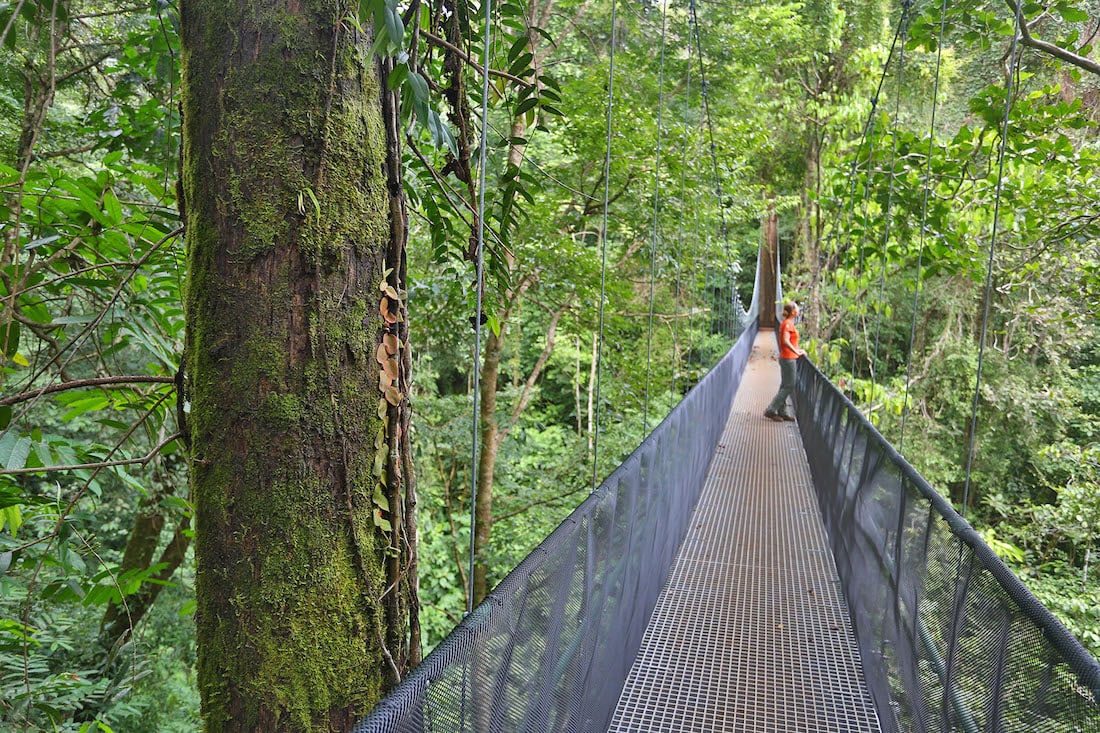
<point>923,236</point>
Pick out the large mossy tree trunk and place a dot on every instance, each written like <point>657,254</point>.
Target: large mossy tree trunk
<point>295,349</point>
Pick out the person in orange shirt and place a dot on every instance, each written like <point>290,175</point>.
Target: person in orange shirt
<point>788,358</point>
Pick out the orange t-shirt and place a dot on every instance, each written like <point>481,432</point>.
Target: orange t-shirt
<point>792,333</point>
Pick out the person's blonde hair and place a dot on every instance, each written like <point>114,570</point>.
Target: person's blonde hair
<point>789,307</point>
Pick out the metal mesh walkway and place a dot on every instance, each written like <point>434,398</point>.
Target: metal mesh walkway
<point>750,632</point>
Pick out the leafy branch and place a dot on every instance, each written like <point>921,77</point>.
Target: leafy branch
<point>1068,14</point>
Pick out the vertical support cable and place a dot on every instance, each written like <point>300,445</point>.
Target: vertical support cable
<point>869,135</point>
<point>923,223</point>
<point>603,238</point>
<point>694,283</point>
<point>1009,78</point>
<point>849,213</point>
<point>653,243</point>
<point>710,132</point>
<point>903,32</point>
<point>480,298</point>
<point>680,232</point>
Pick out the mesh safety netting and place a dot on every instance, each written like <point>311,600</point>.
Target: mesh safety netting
<point>950,638</point>
<point>550,647</point>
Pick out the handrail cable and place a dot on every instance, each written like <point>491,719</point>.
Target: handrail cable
<point>480,298</point>
<point>903,31</point>
<point>603,239</point>
<point>656,203</point>
<point>923,223</point>
<point>1009,78</point>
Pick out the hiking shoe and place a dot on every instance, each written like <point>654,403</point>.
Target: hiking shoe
<point>788,418</point>
<point>773,416</point>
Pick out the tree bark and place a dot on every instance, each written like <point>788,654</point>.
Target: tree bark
<point>121,618</point>
<point>768,275</point>
<point>487,460</point>
<point>295,396</point>
<point>810,230</point>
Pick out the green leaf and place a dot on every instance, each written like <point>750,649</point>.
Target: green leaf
<point>112,207</point>
<point>398,76</point>
<point>441,134</point>
<point>36,243</point>
<point>10,333</point>
<point>517,48</point>
<point>524,106</point>
<point>101,595</point>
<point>380,499</point>
<point>12,516</point>
<point>85,404</point>
<point>394,27</point>
<point>521,64</point>
<point>418,86</point>
<point>14,451</point>
<point>42,453</point>
<point>1071,14</point>
<point>9,40</point>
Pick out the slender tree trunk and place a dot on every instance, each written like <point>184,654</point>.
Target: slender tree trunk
<point>593,369</point>
<point>120,618</point>
<point>768,275</point>
<point>811,244</point>
<point>487,460</point>
<point>295,329</point>
<point>577,388</point>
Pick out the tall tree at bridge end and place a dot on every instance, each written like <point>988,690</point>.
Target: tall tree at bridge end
<point>296,369</point>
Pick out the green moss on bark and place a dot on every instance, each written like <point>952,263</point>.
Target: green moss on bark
<point>282,324</point>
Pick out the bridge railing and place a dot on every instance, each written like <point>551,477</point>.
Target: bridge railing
<point>949,637</point>
<point>551,646</point>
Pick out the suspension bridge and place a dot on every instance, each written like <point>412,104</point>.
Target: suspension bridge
<point>739,574</point>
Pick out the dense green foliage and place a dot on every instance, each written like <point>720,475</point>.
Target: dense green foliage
<point>886,224</point>
<point>929,215</point>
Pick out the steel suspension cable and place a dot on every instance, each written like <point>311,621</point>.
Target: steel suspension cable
<point>703,85</point>
<point>653,243</point>
<point>482,155</point>
<point>849,213</point>
<point>869,136</point>
<point>1009,90</point>
<point>680,231</point>
<point>603,240</point>
<point>903,31</point>
<point>923,223</point>
<point>694,283</point>
<point>865,136</point>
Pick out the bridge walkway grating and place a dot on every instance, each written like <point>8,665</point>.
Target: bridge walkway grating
<point>751,632</point>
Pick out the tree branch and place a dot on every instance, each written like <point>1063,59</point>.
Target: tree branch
<point>448,46</point>
<point>1056,51</point>
<point>536,371</point>
<point>81,383</point>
